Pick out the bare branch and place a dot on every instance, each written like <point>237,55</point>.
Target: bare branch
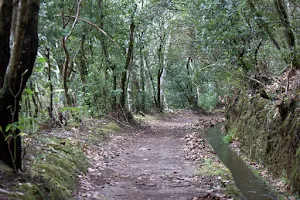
<point>97,27</point>
<point>293,2</point>
<point>75,19</point>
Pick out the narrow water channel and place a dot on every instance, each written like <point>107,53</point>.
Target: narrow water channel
<point>250,186</point>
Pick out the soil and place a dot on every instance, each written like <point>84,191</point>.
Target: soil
<point>159,161</point>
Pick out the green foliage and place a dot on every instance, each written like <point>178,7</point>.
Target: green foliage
<point>230,135</point>
<point>225,41</point>
<point>208,100</point>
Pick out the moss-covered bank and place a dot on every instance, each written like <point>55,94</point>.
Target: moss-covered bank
<point>52,174</point>
<point>269,133</point>
<point>53,160</point>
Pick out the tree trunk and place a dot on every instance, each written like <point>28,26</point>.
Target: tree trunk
<point>50,108</point>
<point>18,21</point>
<point>142,77</point>
<point>158,90</point>
<point>160,71</point>
<point>108,62</point>
<point>128,62</point>
<point>288,30</point>
<point>114,98</point>
<point>65,67</point>
<point>36,107</point>
<point>263,24</point>
<point>151,81</point>
<point>189,86</point>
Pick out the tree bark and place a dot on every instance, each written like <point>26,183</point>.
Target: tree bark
<point>65,67</point>
<point>189,86</point>
<point>151,81</point>
<point>36,107</point>
<point>160,70</point>
<point>289,33</point>
<point>262,24</point>
<point>109,64</point>
<point>16,65</point>
<point>142,79</point>
<point>128,62</point>
<point>159,74</point>
<point>50,108</point>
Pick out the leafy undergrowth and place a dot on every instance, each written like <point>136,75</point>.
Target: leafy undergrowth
<point>53,161</point>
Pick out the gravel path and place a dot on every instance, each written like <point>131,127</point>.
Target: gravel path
<point>149,164</point>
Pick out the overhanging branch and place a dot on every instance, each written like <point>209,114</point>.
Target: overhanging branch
<point>97,27</point>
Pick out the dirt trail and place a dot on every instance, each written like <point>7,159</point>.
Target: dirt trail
<point>148,164</point>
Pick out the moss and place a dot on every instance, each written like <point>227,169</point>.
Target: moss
<point>53,172</point>
<point>100,132</point>
<point>5,170</point>
<point>216,169</point>
<point>267,137</point>
<point>57,182</point>
<point>29,192</point>
<point>260,103</point>
<point>111,127</point>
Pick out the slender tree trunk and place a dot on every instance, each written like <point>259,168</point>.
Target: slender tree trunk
<point>128,62</point>
<point>142,76</point>
<point>142,94</point>
<point>50,108</point>
<point>160,71</point>
<point>108,63</point>
<point>151,81</point>
<point>65,67</point>
<point>115,84</point>
<point>18,22</point>
<point>83,71</point>
<point>36,106</point>
<point>158,90</point>
<point>142,83</point>
<point>189,86</point>
<point>129,74</point>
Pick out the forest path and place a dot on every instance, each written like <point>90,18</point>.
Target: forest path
<point>151,163</point>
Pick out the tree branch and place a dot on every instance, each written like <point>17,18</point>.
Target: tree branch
<point>75,19</point>
<point>97,27</point>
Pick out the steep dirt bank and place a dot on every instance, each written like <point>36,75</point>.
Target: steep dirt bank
<point>170,159</point>
<point>268,133</point>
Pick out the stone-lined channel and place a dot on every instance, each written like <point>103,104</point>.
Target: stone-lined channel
<point>250,186</point>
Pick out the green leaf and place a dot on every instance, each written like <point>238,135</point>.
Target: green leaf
<point>41,60</point>
<point>28,91</point>
<point>22,134</point>
<point>8,128</point>
<point>20,127</point>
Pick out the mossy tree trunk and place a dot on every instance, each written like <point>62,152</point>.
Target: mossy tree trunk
<point>18,49</point>
<point>281,8</point>
<point>263,24</point>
